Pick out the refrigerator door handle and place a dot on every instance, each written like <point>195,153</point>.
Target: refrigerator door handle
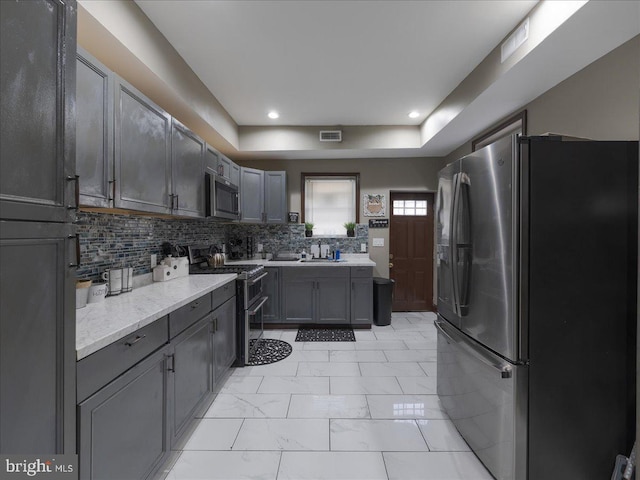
<point>502,366</point>
<point>463,244</point>
<point>454,242</point>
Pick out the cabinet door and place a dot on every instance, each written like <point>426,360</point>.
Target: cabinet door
<point>224,167</point>
<point>362,301</point>
<point>122,427</point>
<point>37,338</point>
<point>211,159</point>
<point>299,294</point>
<point>235,174</point>
<point>142,152</point>
<point>190,377</point>
<point>37,110</point>
<point>187,165</point>
<point>94,130</point>
<point>271,309</point>
<point>275,197</point>
<point>251,195</point>
<point>224,337</point>
<point>333,296</point>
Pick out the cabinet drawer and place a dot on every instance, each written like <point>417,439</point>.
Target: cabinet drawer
<point>98,369</point>
<point>186,316</point>
<point>222,294</point>
<point>360,272</point>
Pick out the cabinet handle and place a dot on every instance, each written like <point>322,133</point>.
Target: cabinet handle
<point>113,190</point>
<point>135,340</point>
<point>177,201</point>
<point>215,325</point>
<point>173,363</point>
<point>77,237</point>
<point>75,178</point>
<point>194,305</point>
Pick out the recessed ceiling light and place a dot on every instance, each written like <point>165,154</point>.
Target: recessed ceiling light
<point>414,114</point>
<point>273,114</point>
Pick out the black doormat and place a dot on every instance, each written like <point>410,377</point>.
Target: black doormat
<point>269,350</point>
<point>341,334</point>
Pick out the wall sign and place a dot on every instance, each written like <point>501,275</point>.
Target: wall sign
<point>379,223</point>
<point>374,205</point>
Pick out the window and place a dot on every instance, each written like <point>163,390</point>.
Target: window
<point>410,207</point>
<point>330,200</point>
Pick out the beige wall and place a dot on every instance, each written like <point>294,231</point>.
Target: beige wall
<point>599,102</point>
<point>376,176</point>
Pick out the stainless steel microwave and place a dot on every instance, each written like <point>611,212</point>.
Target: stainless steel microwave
<point>222,197</point>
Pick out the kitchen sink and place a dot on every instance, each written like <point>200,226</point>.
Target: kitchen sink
<point>284,259</point>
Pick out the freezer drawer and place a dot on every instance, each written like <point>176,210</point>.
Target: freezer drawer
<point>485,397</point>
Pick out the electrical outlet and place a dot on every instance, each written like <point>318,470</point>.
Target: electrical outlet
<point>154,260</point>
<point>378,242</point>
<point>259,247</point>
<point>363,247</point>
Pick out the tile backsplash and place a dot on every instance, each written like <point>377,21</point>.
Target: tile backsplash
<point>118,240</point>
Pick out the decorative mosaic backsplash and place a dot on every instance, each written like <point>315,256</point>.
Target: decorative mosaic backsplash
<point>117,240</point>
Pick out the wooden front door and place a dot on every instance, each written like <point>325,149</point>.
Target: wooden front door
<point>411,250</point>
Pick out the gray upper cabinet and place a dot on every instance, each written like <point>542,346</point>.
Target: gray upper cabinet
<point>37,121</point>
<point>142,152</point>
<point>37,335</point>
<point>211,158</point>
<point>275,197</point>
<point>187,166</point>
<point>263,196</point>
<point>251,195</point>
<point>234,177</point>
<point>94,130</point>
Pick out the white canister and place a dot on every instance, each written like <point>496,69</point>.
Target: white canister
<point>113,278</point>
<point>97,292</point>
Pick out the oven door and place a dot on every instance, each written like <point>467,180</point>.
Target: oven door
<point>253,327</point>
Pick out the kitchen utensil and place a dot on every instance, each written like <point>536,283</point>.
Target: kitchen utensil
<point>113,277</point>
<point>97,292</point>
<point>127,279</point>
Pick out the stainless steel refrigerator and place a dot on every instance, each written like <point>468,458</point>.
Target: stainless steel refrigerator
<point>537,271</point>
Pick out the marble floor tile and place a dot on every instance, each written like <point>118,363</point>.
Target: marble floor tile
<point>406,406</point>
<point>328,406</point>
<point>411,355</point>
<point>418,385</point>
<point>381,345</point>
<point>328,369</point>
<point>358,356</point>
<point>395,335</point>
<point>328,345</point>
<point>421,344</point>
<point>289,335</point>
<point>249,405</point>
<point>413,327</point>
<point>225,466</point>
<point>434,465</point>
<point>272,334</point>
<point>364,385</point>
<point>391,369</point>
<point>241,384</point>
<point>364,335</point>
<point>332,466</point>
<point>307,356</point>
<point>279,369</point>
<point>317,385</point>
<point>442,436</point>
<point>214,434</point>
<point>376,435</point>
<point>430,368</point>
<point>283,434</point>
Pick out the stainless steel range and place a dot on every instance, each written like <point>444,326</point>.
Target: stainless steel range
<point>250,299</point>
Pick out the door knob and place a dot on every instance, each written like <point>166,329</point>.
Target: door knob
<point>390,265</point>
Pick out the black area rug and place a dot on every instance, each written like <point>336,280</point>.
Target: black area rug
<point>342,334</point>
<point>269,350</point>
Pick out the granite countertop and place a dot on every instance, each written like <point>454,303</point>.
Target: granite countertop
<point>346,260</point>
<point>100,324</point>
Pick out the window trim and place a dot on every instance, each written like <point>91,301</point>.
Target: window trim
<point>303,178</point>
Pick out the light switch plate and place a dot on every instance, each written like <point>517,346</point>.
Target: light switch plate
<point>378,242</point>
<point>363,247</point>
<point>260,247</point>
<point>154,260</point>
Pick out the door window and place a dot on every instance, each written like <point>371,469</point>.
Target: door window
<point>410,207</point>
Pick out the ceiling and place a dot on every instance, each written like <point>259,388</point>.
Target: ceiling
<point>365,65</point>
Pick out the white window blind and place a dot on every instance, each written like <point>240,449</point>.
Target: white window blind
<point>330,202</point>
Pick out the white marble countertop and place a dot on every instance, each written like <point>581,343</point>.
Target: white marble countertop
<point>100,324</point>
<point>346,260</point>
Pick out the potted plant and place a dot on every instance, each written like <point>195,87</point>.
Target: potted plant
<point>351,229</point>
<point>308,229</point>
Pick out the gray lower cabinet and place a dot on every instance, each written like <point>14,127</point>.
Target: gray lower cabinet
<point>142,148</point>
<point>94,130</point>
<point>187,167</point>
<point>224,338</point>
<point>271,284</point>
<point>123,427</point>
<point>37,110</point>
<point>361,295</point>
<point>37,338</point>
<point>189,370</point>
<point>316,294</point>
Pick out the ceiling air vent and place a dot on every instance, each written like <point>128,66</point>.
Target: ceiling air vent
<point>330,135</point>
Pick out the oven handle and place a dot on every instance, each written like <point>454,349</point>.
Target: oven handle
<point>258,307</point>
<point>256,280</point>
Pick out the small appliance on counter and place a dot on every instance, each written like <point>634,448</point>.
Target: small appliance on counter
<point>235,249</point>
<point>170,268</point>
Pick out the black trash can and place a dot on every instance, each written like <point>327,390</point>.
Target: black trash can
<point>382,299</point>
